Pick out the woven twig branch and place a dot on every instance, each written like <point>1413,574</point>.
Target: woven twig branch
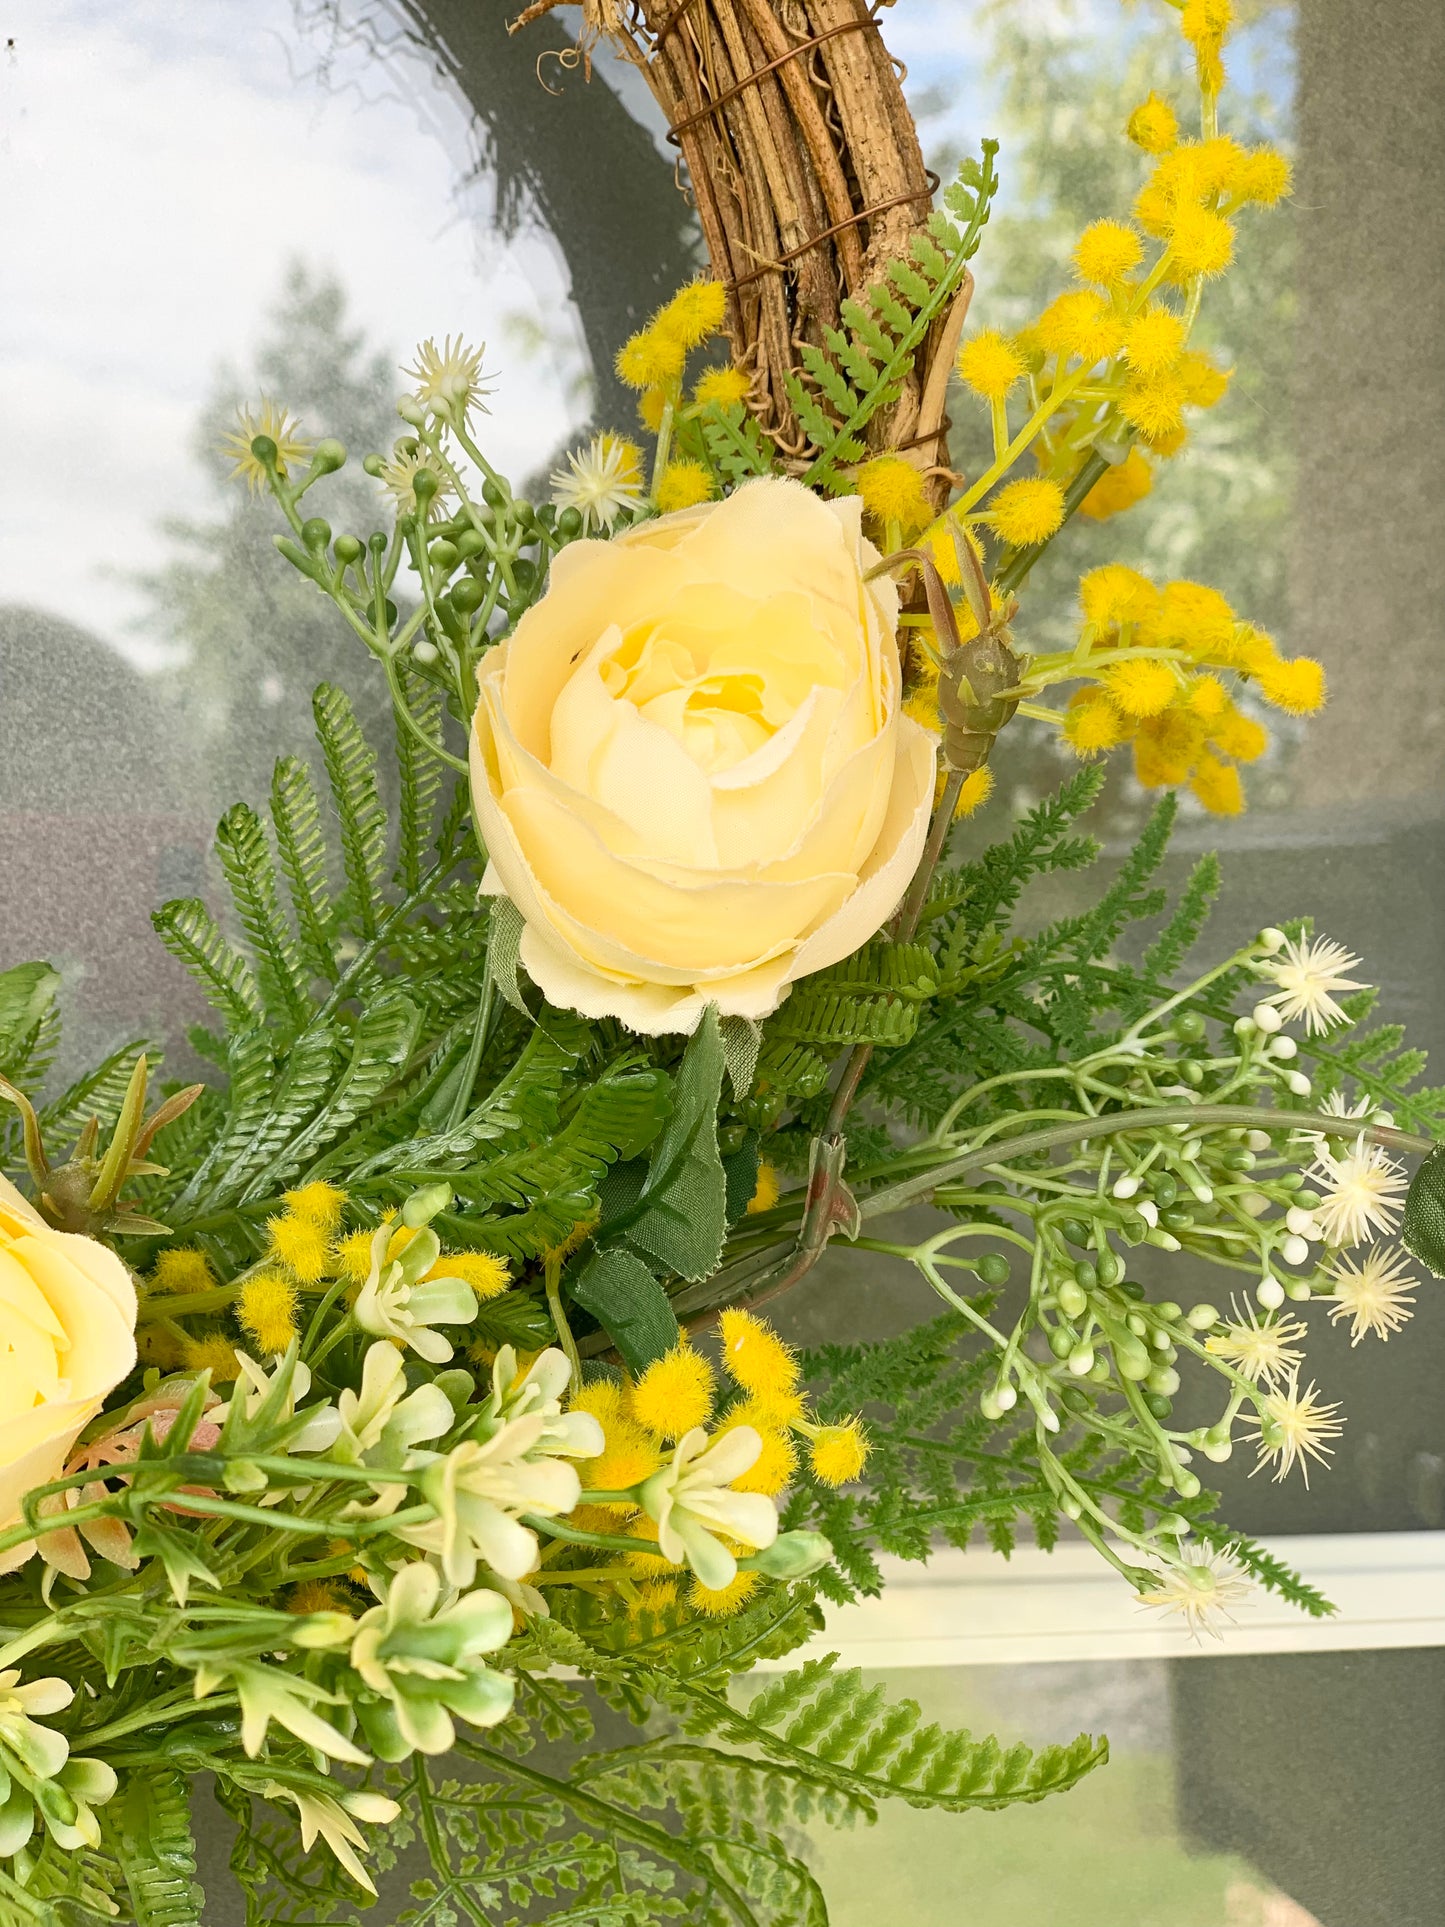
<point>804,163</point>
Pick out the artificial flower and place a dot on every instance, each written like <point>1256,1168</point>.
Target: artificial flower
<point>690,764</point>
<point>70,1313</point>
<point>695,1507</point>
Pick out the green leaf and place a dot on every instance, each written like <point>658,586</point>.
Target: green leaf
<point>27,993</point>
<point>296,815</point>
<point>681,1216</point>
<point>1423,1231</point>
<point>629,1304</point>
<point>157,1852</point>
<point>247,864</point>
<point>188,930</point>
<point>351,770</point>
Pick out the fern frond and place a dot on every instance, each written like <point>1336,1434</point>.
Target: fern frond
<point>247,865</point>
<point>296,816</point>
<point>351,772</point>
<point>188,930</point>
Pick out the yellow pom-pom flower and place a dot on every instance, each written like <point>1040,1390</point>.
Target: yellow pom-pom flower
<point>655,1596</point>
<point>1153,126</point>
<point>266,1311</point>
<point>351,1258</point>
<point>627,1458</point>
<point>893,491</point>
<point>727,1600</point>
<point>1141,687</point>
<point>1297,685</point>
<point>1239,736</point>
<point>1201,243</point>
<point>673,1394</point>
<point>1262,176</point>
<point>1115,594</point>
<point>1207,697</point>
<point>990,365</point>
<point>1026,512</point>
<point>183,1269</point>
<point>484,1271</point>
<point>977,789</point>
<point>300,1244</point>
<point>755,1357</point>
<point>1092,724</point>
<point>319,1203</point>
<point>721,388</point>
<point>1106,252</point>
<point>1191,615</point>
<point>694,313</point>
<point>651,407</point>
<point>1217,786</point>
<point>839,1452</point>
<point>1118,488</point>
<point>1203,383</point>
<point>1080,326</point>
<point>683,485</point>
<point>1154,404</point>
<point>651,359</point>
<point>765,1191</point>
<point>214,1354</point>
<point>1154,341</point>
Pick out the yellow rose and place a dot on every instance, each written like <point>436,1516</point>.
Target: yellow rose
<point>690,765</point>
<point>67,1337</point>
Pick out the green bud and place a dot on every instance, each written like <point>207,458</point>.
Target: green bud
<point>1131,1289</point>
<point>1073,1399</point>
<point>422,1206</point>
<point>494,495</point>
<point>315,1630</point>
<point>1189,1027</point>
<point>1186,1484</point>
<point>1076,1232</point>
<point>327,457</point>
<point>424,485</point>
<point>1111,1267</point>
<point>468,595</point>
<point>1177,1219</point>
<point>1157,1405</point>
<point>569,525</point>
<point>374,465</point>
<point>1200,1317</point>
<point>524,574</point>
<point>792,1555</point>
<point>316,534</point>
<point>1163,1380</point>
<point>1087,1275</point>
<point>1132,1359</point>
<point>1062,1341</point>
<point>1081,1360</point>
<point>264,449</point>
<point>1165,1190</point>
<point>1073,1299</point>
<point>348,550</point>
<point>993,1268</point>
<point>444,555</point>
<point>469,543</point>
<point>1192,1071</point>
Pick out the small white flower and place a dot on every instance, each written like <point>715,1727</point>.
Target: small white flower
<point>602,482</point>
<point>1201,1588</point>
<point>383,1420</point>
<point>331,1819</point>
<point>692,1501</point>
<point>422,1654</point>
<point>1376,1294</point>
<point>537,1393</point>
<point>1363,1192</point>
<point>1263,1349</point>
<point>1306,974</point>
<point>322,1422</point>
<point>398,478</point>
<point>449,379</point>
<point>399,1301</point>
<point>479,1489</point>
<point>1292,1428</point>
<point>39,1748</point>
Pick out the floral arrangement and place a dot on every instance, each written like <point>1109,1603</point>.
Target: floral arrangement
<point>374,1407</point>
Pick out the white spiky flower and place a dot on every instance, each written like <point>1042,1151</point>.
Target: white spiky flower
<point>1376,1294</point>
<point>1201,1588</point>
<point>601,481</point>
<point>1363,1193</point>
<point>449,379</point>
<point>1293,1427</point>
<point>1306,973</point>
<point>398,477</point>
<point>1263,1349</point>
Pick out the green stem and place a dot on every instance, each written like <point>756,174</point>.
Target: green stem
<point>1224,1116</point>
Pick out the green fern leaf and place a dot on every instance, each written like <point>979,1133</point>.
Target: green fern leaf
<point>188,930</point>
<point>246,863</point>
<point>296,817</point>
<point>351,771</point>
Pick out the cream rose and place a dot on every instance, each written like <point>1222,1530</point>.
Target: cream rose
<point>690,765</point>
<point>67,1337</point>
